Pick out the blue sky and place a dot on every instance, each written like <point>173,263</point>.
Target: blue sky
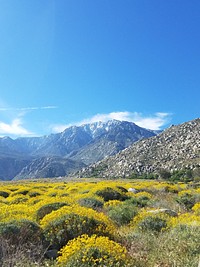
<point>65,62</point>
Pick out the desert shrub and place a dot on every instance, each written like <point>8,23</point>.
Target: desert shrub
<point>21,255</point>
<point>86,251</point>
<point>4,194</point>
<point>140,201</point>
<point>21,232</point>
<point>85,191</point>
<point>122,189</point>
<point>21,192</point>
<point>53,194</point>
<point>151,220</point>
<point>121,214</point>
<point>152,223</point>
<point>109,193</point>
<point>18,200</point>
<point>70,226</point>
<point>48,208</point>
<point>178,247</point>
<point>90,203</point>
<point>34,194</point>
<point>170,189</point>
<point>187,200</point>
<point>64,195</point>
<point>60,187</point>
<point>9,231</point>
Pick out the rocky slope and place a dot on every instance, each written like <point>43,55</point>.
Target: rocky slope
<point>175,148</point>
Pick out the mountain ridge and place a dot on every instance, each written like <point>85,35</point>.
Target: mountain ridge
<point>83,145</point>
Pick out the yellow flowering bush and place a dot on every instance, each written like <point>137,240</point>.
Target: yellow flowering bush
<point>186,192</point>
<point>69,222</point>
<point>112,203</point>
<point>196,208</point>
<point>100,210</point>
<point>48,208</point>
<point>185,219</point>
<point>86,251</point>
<point>16,212</point>
<point>143,194</point>
<point>151,220</point>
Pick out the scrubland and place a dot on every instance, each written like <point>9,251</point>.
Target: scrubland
<point>93,222</point>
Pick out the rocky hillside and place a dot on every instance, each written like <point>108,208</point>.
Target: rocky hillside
<point>80,145</point>
<point>175,148</point>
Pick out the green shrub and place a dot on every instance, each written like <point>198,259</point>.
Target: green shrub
<point>109,193</point>
<point>90,203</point>
<point>4,194</point>
<point>21,244</point>
<point>64,195</point>
<point>48,208</point>
<point>152,223</point>
<point>21,232</point>
<point>18,200</point>
<point>187,200</point>
<point>34,194</point>
<point>53,194</point>
<point>9,231</point>
<point>141,201</point>
<point>122,189</point>
<point>21,192</point>
<point>177,246</point>
<point>121,214</point>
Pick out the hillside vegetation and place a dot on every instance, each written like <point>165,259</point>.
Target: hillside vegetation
<point>136,223</point>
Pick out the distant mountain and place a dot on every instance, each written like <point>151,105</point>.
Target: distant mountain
<point>175,148</point>
<point>48,167</point>
<point>75,147</point>
<point>108,139</point>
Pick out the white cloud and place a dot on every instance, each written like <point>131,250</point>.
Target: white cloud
<point>154,122</point>
<point>27,108</point>
<point>14,128</point>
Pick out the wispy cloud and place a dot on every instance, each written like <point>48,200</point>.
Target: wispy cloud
<point>154,121</point>
<point>27,108</point>
<point>14,128</point>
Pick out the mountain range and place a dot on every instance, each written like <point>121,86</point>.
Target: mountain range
<point>176,148</point>
<point>69,151</point>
